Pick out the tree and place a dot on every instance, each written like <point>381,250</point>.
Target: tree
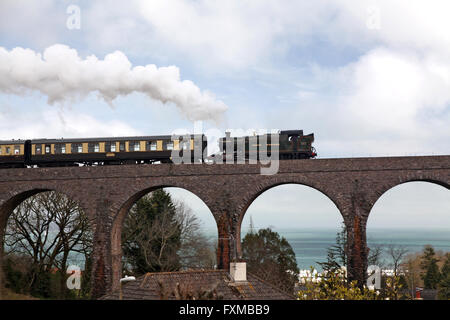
<point>49,229</point>
<point>196,251</point>
<point>337,253</point>
<point>431,275</point>
<point>271,258</point>
<point>444,289</point>
<point>398,280</point>
<point>151,235</point>
<point>160,234</point>
<point>444,285</point>
<point>397,254</point>
<point>374,257</point>
<point>413,271</point>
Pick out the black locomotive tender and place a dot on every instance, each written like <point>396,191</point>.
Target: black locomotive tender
<point>143,149</point>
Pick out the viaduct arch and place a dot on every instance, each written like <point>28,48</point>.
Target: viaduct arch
<point>107,192</point>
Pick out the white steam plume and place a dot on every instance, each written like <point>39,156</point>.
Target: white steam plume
<point>60,74</point>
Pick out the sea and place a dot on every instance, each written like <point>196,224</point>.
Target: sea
<point>310,245</point>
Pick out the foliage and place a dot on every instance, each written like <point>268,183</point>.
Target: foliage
<point>444,285</point>
<point>336,254</point>
<point>151,235</point>
<point>412,272</point>
<point>196,251</point>
<point>9,294</point>
<point>431,275</point>
<point>394,288</point>
<point>43,236</point>
<point>47,284</point>
<point>417,265</point>
<point>85,291</point>
<point>334,285</point>
<point>397,254</point>
<point>374,257</point>
<point>271,258</point>
<point>15,270</point>
<point>444,288</point>
<point>445,270</point>
<point>162,235</point>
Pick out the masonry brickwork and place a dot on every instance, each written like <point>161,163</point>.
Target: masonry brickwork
<point>107,193</point>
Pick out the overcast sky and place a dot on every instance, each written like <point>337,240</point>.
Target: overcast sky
<point>369,78</point>
<point>415,205</point>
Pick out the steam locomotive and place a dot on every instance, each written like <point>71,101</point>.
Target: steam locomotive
<point>143,149</point>
<point>292,144</point>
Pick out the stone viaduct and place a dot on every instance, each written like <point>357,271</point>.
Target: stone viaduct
<point>107,193</point>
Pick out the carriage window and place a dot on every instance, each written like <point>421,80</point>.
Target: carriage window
<point>38,149</point>
<point>16,149</point>
<point>93,147</point>
<point>150,145</point>
<point>0,150</point>
<point>8,150</point>
<point>134,145</point>
<point>185,145</point>
<point>47,149</point>
<point>110,147</point>
<point>169,146</point>
<point>63,148</point>
<point>77,148</point>
<point>122,146</point>
<point>58,148</point>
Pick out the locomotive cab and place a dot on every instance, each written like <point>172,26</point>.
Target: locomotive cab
<point>292,137</point>
<point>295,145</point>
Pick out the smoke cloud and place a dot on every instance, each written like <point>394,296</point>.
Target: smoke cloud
<point>61,75</point>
